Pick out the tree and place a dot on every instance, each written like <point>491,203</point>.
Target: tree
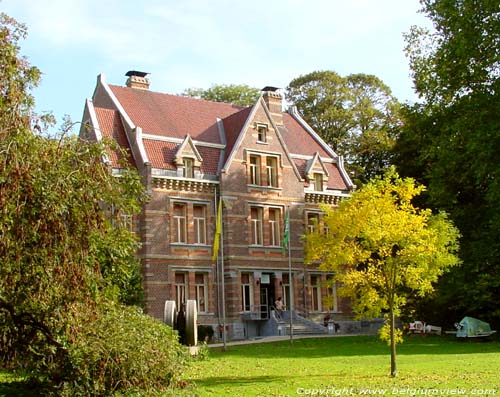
<point>237,94</point>
<point>450,142</point>
<point>384,250</point>
<point>356,115</point>
<point>66,258</point>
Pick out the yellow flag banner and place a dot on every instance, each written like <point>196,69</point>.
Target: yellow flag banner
<point>218,230</point>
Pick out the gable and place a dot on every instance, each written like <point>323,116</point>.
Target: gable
<point>248,138</point>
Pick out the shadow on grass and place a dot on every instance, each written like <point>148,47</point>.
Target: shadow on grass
<point>17,389</point>
<point>235,381</point>
<point>361,346</point>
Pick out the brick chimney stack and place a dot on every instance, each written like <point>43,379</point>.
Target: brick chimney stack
<point>274,102</point>
<point>137,79</point>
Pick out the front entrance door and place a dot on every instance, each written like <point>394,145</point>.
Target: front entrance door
<point>266,294</point>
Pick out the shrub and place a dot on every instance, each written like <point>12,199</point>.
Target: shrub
<point>123,349</point>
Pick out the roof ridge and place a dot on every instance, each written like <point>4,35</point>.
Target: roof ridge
<point>183,96</point>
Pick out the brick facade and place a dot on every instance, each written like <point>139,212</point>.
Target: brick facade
<point>261,162</point>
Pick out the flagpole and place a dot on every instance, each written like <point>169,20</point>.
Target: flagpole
<point>290,280</point>
<point>222,278</point>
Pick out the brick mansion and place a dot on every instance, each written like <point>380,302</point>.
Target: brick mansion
<point>262,162</point>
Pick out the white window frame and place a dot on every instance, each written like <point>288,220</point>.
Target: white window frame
<point>316,292</point>
<point>254,169</point>
<point>262,130</point>
<point>272,171</point>
<point>180,224</point>
<point>318,182</point>
<point>274,227</point>
<point>247,286</point>
<point>311,226</point>
<point>331,290</point>
<point>181,289</point>
<point>201,290</point>
<point>200,224</point>
<point>188,167</point>
<point>257,233</point>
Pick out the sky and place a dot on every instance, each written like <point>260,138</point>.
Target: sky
<point>198,43</point>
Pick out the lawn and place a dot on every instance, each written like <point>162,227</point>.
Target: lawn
<point>339,366</point>
<point>351,366</point>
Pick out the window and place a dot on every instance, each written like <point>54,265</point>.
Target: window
<point>188,170</point>
<point>318,182</point>
<point>201,287</point>
<point>180,289</point>
<point>179,226</point>
<point>272,171</point>
<point>316,293</point>
<point>256,223</point>
<point>312,222</point>
<point>200,224</point>
<point>331,294</point>
<point>246,292</point>
<point>274,227</point>
<point>261,133</point>
<point>285,285</point>
<point>255,170</point>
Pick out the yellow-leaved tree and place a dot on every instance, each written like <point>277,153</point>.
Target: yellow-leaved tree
<point>384,250</point>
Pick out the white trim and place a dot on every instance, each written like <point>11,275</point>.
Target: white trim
<point>292,110</point>
<point>181,140</point>
<point>240,136</point>
<point>140,145</point>
<point>114,99</point>
<point>95,126</point>
<point>94,120</point>
<point>177,178</point>
<point>280,138</point>
<point>308,157</point>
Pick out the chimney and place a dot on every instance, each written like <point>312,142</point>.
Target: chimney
<point>274,102</point>
<point>137,79</point>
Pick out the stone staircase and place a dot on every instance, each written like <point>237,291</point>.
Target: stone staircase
<point>302,326</point>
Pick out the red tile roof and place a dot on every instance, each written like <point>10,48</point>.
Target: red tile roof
<point>232,128</point>
<point>173,115</point>
<point>161,154</point>
<point>176,116</point>
<point>111,126</point>
<point>335,180</point>
<point>298,140</point>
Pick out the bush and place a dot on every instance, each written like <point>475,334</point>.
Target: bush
<point>122,350</point>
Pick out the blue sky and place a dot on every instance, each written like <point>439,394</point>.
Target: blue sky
<point>197,43</point>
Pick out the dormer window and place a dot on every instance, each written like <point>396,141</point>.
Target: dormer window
<point>318,182</point>
<point>188,171</point>
<point>262,133</point>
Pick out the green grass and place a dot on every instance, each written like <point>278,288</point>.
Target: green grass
<point>343,366</point>
<point>351,366</point>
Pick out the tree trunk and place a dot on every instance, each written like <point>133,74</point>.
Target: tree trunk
<point>394,370</point>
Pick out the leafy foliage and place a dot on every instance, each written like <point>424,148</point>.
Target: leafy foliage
<point>121,349</point>
<point>450,142</point>
<point>356,115</point>
<point>237,94</point>
<point>66,258</point>
<point>383,249</point>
